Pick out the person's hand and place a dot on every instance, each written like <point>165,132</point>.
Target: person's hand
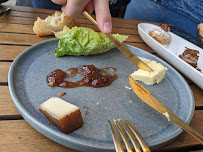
<point>74,7</point>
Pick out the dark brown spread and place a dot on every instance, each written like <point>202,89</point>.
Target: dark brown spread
<point>91,77</point>
<point>190,56</point>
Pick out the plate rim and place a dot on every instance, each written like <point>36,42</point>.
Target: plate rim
<point>75,142</point>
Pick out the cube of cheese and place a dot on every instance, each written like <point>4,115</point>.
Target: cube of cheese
<point>65,116</point>
<point>150,78</point>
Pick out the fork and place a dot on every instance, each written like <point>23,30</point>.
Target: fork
<point>116,139</point>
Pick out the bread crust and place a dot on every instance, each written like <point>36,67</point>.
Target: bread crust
<point>161,36</point>
<point>54,23</point>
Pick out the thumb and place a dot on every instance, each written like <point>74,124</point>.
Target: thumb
<point>103,15</point>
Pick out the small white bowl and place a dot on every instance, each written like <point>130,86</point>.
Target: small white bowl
<point>172,51</point>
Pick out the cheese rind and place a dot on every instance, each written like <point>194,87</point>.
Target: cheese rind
<point>150,78</point>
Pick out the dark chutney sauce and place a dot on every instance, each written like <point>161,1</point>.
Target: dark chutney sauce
<point>91,77</point>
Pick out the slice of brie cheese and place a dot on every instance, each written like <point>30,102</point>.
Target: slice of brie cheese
<point>150,78</point>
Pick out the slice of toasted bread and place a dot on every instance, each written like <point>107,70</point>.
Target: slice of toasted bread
<point>54,23</point>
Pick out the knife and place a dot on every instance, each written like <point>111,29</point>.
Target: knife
<point>5,12</point>
<point>147,97</point>
<point>124,50</point>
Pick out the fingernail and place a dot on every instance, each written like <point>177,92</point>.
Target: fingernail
<point>107,27</point>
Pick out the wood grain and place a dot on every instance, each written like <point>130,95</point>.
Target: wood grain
<point>21,39</point>
<point>15,28</point>
<point>4,66</point>
<point>18,20</point>
<point>10,52</point>
<point>25,39</point>
<point>142,46</point>
<point>28,9</point>
<point>21,136</point>
<point>198,95</point>
<point>11,117</point>
<point>83,21</point>
<point>7,105</point>
<point>24,28</point>
<point>30,12</point>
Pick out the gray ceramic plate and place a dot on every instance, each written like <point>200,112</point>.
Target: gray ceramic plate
<point>28,88</point>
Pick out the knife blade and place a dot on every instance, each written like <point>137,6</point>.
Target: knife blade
<point>147,97</point>
<point>124,50</point>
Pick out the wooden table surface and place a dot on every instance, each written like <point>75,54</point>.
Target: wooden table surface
<point>16,35</point>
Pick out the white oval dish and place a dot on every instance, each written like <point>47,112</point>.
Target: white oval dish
<point>172,51</point>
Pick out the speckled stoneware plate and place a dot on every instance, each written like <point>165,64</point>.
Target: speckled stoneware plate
<point>28,88</point>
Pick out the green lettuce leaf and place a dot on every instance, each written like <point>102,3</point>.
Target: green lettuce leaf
<point>83,41</point>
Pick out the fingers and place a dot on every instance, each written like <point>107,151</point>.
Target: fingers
<point>89,7</point>
<point>74,8</point>
<point>59,2</point>
<point>103,15</point>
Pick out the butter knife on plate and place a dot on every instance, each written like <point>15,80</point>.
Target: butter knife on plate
<point>124,50</point>
<point>147,97</point>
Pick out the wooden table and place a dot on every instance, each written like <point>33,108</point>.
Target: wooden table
<point>16,35</point>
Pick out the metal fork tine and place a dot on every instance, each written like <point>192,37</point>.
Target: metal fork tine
<point>127,144</point>
<point>132,138</point>
<point>116,140</point>
<point>143,144</point>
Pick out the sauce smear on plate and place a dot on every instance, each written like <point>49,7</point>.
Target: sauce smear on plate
<point>91,77</point>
